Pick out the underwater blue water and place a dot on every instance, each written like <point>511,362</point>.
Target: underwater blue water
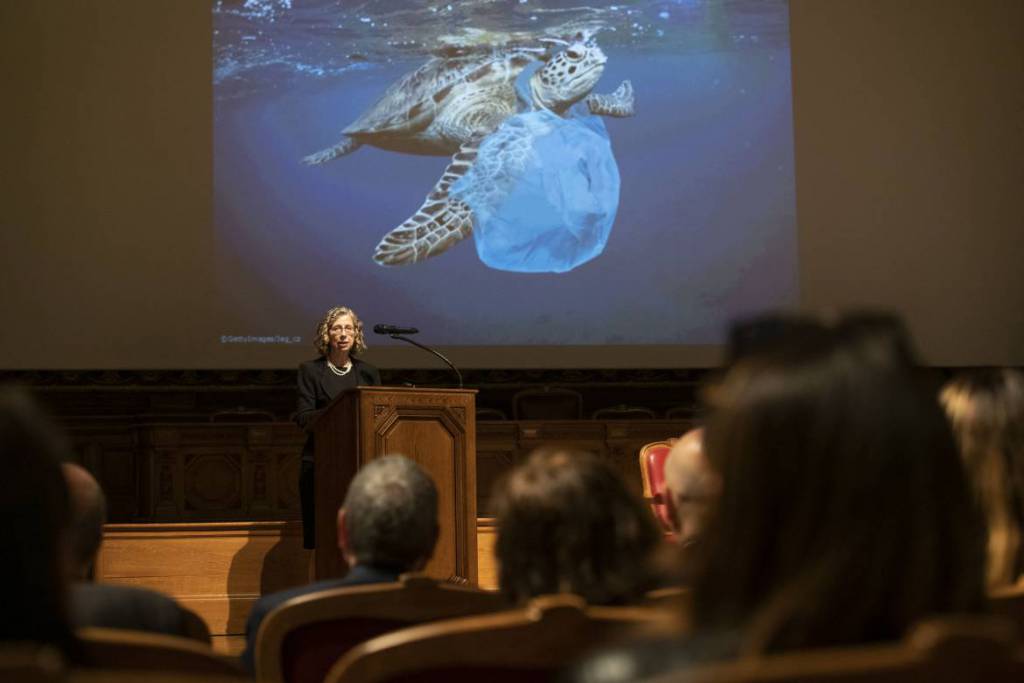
<point>705,228</point>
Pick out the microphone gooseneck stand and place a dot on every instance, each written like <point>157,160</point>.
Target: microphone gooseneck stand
<point>436,353</point>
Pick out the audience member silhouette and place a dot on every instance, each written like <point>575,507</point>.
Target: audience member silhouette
<point>35,509</point>
<point>109,605</point>
<point>387,526</point>
<point>844,514</point>
<point>567,524</point>
<point>691,484</point>
<point>986,409</point>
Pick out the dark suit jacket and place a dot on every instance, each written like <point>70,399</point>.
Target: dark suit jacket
<point>126,607</point>
<point>357,576</point>
<point>314,395</point>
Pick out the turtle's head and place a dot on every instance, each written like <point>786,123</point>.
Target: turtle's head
<point>568,75</point>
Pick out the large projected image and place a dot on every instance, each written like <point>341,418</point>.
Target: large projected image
<point>503,173</point>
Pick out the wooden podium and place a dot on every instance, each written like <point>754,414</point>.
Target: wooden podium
<point>434,427</point>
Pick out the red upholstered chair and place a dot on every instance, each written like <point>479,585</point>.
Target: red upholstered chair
<point>652,473</point>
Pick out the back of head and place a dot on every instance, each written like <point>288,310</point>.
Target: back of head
<point>567,524</point>
<point>844,513</point>
<point>986,410</point>
<point>691,483</point>
<point>391,514</point>
<point>88,515</point>
<point>34,506</point>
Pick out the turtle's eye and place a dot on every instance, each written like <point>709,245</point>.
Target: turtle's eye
<point>574,55</point>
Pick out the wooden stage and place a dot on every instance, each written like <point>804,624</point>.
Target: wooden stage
<point>219,569</point>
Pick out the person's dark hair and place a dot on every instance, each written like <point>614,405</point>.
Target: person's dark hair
<point>567,524</point>
<point>882,335</point>
<point>986,409</point>
<point>88,515</point>
<point>844,513</point>
<point>391,513</point>
<point>34,505</point>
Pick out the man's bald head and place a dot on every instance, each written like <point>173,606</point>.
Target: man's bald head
<point>88,514</point>
<point>692,484</point>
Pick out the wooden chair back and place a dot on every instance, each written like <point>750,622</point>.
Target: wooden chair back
<point>300,640</point>
<point>30,663</point>
<point>142,676</point>
<point>529,644</point>
<point>969,649</point>
<point>116,649</point>
<point>1008,602</point>
<point>547,403</point>
<point>623,411</point>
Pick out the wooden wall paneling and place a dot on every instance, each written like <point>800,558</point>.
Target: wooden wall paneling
<point>587,435</point>
<point>109,450</point>
<point>205,471</point>
<point>284,481</point>
<point>497,451</point>
<point>212,482</point>
<point>219,472</point>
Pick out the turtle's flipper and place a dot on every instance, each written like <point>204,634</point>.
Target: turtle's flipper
<point>438,224</point>
<point>346,146</point>
<point>619,104</point>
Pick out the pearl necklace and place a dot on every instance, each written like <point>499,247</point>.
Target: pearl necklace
<point>342,371</point>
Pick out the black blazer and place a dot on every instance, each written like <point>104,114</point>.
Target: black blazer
<point>313,395</point>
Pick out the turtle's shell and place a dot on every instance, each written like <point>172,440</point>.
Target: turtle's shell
<point>412,103</point>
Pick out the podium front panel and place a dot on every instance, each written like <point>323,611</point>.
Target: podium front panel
<point>434,427</point>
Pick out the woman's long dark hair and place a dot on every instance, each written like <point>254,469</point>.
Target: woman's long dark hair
<point>568,524</point>
<point>35,509</point>
<point>844,513</point>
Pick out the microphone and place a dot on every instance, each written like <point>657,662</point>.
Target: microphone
<point>393,329</point>
<point>396,332</point>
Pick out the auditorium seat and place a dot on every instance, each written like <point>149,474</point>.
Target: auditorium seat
<point>141,676</point>
<point>484,413</point>
<point>652,474</point>
<point>671,596</point>
<point>116,649</point>
<point>967,649</point>
<point>686,411</point>
<point>547,403</point>
<point>300,640</point>
<point>30,663</point>
<point>1008,601</point>
<point>529,644</point>
<point>624,412</point>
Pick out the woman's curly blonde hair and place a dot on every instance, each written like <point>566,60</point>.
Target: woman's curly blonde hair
<point>322,339</point>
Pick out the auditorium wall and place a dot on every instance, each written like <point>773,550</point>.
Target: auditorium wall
<point>908,147</point>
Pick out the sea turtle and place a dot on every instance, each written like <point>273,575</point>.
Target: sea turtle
<point>448,105</point>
